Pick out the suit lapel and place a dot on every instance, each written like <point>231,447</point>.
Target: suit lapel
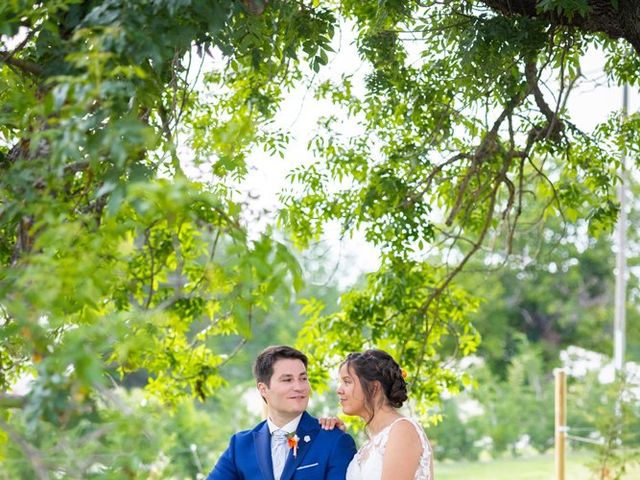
<point>308,429</point>
<point>262,444</point>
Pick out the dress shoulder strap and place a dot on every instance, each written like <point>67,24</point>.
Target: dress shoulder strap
<point>416,425</point>
<point>425,469</point>
<point>399,419</point>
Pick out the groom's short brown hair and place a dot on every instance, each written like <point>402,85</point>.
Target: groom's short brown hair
<point>263,367</point>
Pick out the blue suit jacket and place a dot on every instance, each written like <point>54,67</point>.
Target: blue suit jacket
<point>322,454</point>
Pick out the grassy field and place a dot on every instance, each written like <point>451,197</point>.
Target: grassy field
<point>533,468</point>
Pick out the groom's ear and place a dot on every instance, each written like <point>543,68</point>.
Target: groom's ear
<point>262,388</point>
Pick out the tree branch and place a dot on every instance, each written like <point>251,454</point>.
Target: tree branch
<point>31,453</point>
<point>498,179</point>
<point>486,147</point>
<point>619,21</point>
<point>8,400</point>
<point>24,65</point>
<point>555,126</point>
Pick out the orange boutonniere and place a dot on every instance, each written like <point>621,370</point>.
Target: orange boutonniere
<point>292,441</point>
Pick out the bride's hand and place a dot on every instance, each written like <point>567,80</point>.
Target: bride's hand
<point>329,423</point>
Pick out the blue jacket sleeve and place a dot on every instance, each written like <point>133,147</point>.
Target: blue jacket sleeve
<point>225,468</point>
<point>343,452</point>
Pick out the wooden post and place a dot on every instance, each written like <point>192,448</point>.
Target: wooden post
<point>561,421</point>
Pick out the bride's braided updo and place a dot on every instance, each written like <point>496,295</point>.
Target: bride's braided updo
<point>377,365</point>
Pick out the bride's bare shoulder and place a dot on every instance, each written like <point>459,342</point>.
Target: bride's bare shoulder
<point>404,431</point>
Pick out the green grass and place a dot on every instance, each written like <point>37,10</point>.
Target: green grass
<point>532,468</point>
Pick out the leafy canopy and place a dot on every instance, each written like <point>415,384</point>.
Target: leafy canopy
<point>114,261</point>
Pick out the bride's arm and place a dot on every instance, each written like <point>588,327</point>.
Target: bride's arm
<point>402,453</point>
<point>329,423</point>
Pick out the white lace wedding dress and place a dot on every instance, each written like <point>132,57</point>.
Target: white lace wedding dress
<point>367,463</point>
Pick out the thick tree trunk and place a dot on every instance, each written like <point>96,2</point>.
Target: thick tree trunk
<point>622,21</point>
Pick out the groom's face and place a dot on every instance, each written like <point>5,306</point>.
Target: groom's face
<point>287,394</point>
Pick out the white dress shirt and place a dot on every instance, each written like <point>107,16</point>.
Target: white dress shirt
<point>280,452</point>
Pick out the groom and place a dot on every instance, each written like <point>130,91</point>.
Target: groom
<point>290,444</point>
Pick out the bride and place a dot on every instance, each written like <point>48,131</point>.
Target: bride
<point>372,386</point>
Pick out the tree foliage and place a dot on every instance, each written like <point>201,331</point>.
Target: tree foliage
<point>464,144</point>
<point>115,261</point>
<point>561,296</point>
<point>499,414</point>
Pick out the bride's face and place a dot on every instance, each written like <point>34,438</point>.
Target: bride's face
<point>351,394</point>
